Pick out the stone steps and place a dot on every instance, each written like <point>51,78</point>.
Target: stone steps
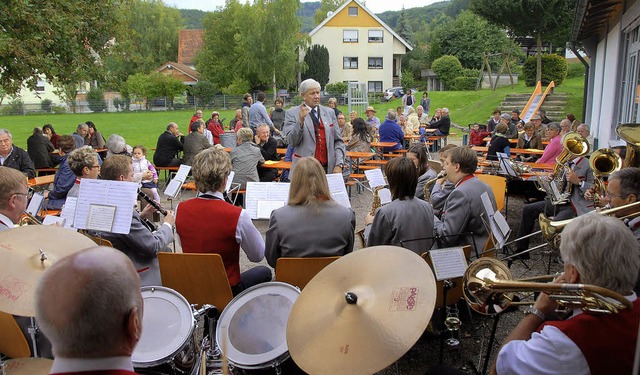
<point>554,104</point>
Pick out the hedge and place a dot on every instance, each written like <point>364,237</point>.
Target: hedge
<point>554,68</point>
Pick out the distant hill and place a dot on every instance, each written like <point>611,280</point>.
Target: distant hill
<point>192,18</point>
<point>306,13</point>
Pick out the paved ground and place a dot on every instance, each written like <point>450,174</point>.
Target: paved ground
<point>475,330</point>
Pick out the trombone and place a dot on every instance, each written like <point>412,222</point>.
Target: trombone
<point>489,288</point>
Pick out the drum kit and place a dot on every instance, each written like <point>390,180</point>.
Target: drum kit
<point>358,315</point>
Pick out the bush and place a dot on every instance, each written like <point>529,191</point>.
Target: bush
<point>447,68</point>
<point>473,73</point>
<point>59,109</point>
<point>554,68</point>
<point>575,70</point>
<point>45,105</point>
<point>337,89</point>
<point>407,80</point>
<point>464,83</point>
<point>95,99</point>
<point>15,107</point>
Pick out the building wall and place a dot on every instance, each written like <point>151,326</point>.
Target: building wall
<point>35,97</point>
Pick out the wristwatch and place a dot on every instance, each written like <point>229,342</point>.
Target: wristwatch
<point>536,312</point>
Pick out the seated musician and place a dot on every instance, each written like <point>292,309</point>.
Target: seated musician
<point>418,155</point>
<point>442,187</point>
<point>406,221</point>
<point>312,224</point>
<point>499,142</point>
<point>208,224</point>
<point>65,177</point>
<point>596,250</point>
<point>529,139</point>
<point>578,179</point>
<point>14,196</point>
<point>142,243</point>
<point>463,218</point>
<point>95,321</point>
<point>84,163</point>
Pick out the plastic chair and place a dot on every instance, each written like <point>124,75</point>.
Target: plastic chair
<point>299,271</point>
<point>498,186</point>
<point>455,293</point>
<point>200,278</point>
<point>12,341</point>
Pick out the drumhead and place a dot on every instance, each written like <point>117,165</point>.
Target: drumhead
<point>254,325</point>
<point>167,324</point>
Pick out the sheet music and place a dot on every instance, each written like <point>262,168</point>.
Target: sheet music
<point>486,202</point>
<point>103,192</point>
<point>101,217</point>
<point>229,181</point>
<point>385,196</point>
<point>265,208</point>
<point>448,263</point>
<point>173,188</point>
<point>505,165</point>
<point>35,204</point>
<point>500,225</point>
<point>52,220</point>
<point>375,178</point>
<point>182,173</point>
<point>69,211</point>
<point>337,189</point>
<point>267,191</point>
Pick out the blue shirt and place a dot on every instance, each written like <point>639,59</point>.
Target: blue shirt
<point>258,115</point>
<point>390,131</point>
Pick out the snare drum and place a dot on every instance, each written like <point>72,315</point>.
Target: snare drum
<point>254,326</point>
<point>167,331</point>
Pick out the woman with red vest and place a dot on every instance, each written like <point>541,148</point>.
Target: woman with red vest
<point>596,250</point>
<point>208,224</point>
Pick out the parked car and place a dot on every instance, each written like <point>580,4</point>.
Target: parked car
<point>394,92</point>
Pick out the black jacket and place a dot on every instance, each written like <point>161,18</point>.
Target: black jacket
<point>167,149</point>
<point>39,149</point>
<point>19,159</point>
<point>443,125</point>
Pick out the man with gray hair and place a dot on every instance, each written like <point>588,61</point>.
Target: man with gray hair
<point>512,129</point>
<point>390,131</point>
<point>13,156</point>
<point>596,250</point>
<point>13,197</point>
<point>583,130</point>
<point>95,321</point>
<point>443,125</point>
<point>312,130</point>
<point>81,131</point>
<point>623,188</point>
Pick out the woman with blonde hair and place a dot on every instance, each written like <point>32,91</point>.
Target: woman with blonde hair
<point>413,123</point>
<point>312,224</point>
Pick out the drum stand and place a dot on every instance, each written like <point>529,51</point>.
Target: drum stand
<point>33,333</point>
<point>173,227</point>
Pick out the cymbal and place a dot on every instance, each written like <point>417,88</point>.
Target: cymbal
<point>28,366</point>
<point>21,266</point>
<point>362,312</point>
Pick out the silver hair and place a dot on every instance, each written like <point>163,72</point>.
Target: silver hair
<point>263,125</point>
<point>116,144</point>
<point>82,125</point>
<point>6,132</point>
<point>245,135</point>
<point>603,250</point>
<point>93,325</point>
<point>171,125</point>
<point>506,116</point>
<point>585,126</point>
<point>391,115</point>
<point>444,110</point>
<point>629,181</point>
<point>565,122</point>
<point>308,84</point>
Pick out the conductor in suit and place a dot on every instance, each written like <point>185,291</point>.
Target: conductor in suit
<point>312,130</point>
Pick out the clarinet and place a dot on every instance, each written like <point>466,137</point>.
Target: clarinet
<point>153,203</point>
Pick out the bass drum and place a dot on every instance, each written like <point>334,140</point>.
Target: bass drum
<point>252,329</point>
<point>167,343</point>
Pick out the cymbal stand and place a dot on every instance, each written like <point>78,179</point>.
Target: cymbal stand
<point>446,285</point>
<point>33,333</point>
<point>487,358</point>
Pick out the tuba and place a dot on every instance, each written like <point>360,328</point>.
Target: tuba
<point>556,186</point>
<point>377,203</point>
<point>489,288</point>
<point>630,133</point>
<point>603,162</point>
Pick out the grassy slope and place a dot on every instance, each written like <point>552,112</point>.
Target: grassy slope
<point>144,127</point>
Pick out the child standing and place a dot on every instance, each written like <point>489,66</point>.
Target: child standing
<point>141,165</point>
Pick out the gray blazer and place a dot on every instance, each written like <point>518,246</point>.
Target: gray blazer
<point>321,230</point>
<point>142,247</point>
<point>464,212</point>
<point>194,142</point>
<point>303,140</point>
<point>402,220</point>
<point>582,169</point>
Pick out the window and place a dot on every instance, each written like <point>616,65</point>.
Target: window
<point>375,62</point>
<point>375,86</point>
<point>40,86</point>
<point>376,36</point>
<point>350,63</point>
<point>350,36</point>
<point>353,11</point>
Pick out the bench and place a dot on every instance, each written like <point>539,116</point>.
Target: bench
<point>45,171</point>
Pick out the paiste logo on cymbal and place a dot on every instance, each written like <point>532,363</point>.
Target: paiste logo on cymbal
<point>404,299</point>
<point>12,288</point>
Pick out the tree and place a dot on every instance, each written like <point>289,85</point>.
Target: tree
<point>317,60</point>
<point>326,6</point>
<point>203,92</point>
<point>403,27</point>
<point>161,85</point>
<point>95,99</point>
<point>60,40</point>
<point>447,68</point>
<point>542,19</point>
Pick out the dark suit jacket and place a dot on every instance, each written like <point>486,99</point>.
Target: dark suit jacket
<point>194,142</point>
<point>39,149</point>
<point>19,159</point>
<point>167,149</point>
<point>443,125</point>
<point>269,150</point>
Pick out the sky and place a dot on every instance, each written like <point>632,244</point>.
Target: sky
<point>376,6</point>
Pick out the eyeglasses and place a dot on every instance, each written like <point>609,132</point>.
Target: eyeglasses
<point>26,195</point>
<point>608,194</point>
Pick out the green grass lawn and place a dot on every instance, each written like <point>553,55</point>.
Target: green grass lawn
<point>144,127</point>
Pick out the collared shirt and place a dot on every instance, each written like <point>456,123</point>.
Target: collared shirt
<point>258,115</point>
<point>62,365</point>
<point>2,159</point>
<point>549,351</point>
<point>247,235</point>
<point>6,221</point>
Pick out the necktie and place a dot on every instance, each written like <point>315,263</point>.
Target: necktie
<point>314,118</point>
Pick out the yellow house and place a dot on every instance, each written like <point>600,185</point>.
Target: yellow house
<point>361,47</point>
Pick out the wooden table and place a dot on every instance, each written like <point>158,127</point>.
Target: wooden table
<point>281,151</point>
<point>512,141</point>
<point>39,181</point>
<point>277,165</point>
<point>355,157</point>
<point>514,151</point>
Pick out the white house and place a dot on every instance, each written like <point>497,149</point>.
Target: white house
<point>609,30</point>
<point>361,47</point>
